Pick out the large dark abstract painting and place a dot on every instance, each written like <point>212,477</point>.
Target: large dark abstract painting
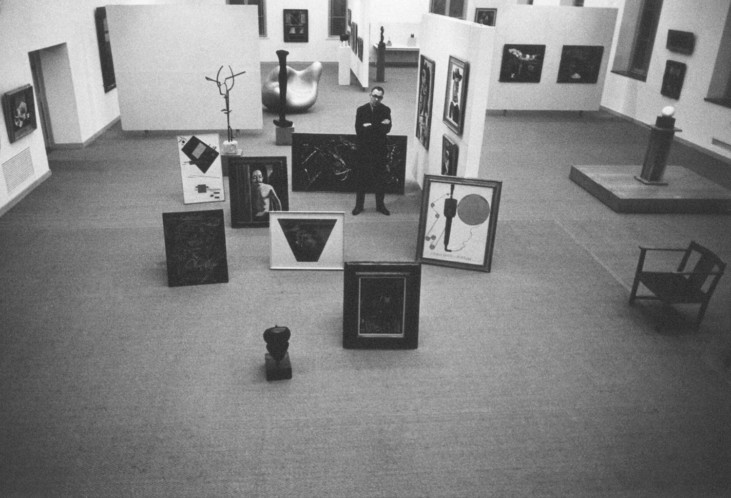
<point>195,247</point>
<point>522,63</point>
<point>327,163</point>
<point>580,64</point>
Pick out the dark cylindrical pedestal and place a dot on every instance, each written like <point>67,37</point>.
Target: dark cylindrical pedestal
<point>656,156</point>
<point>381,63</point>
<point>282,121</point>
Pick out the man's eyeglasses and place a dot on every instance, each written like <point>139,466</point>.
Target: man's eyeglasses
<point>377,97</point>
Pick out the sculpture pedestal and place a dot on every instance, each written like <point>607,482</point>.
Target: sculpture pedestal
<point>278,371</point>
<point>284,135</point>
<point>344,65</point>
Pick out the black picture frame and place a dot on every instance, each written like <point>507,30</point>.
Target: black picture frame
<point>672,80</point>
<point>19,109</point>
<point>425,100</point>
<point>296,25</point>
<point>580,64</point>
<point>381,305</point>
<point>458,222</point>
<point>455,97</point>
<point>486,17</point>
<point>682,42</point>
<point>354,37</point>
<point>450,156</point>
<point>251,209</point>
<point>522,63</point>
<point>323,162</point>
<point>195,247</point>
<point>360,48</point>
<point>109,80</point>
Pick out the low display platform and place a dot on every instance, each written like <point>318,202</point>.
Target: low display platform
<point>685,192</point>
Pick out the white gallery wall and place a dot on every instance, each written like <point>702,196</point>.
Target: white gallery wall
<point>553,27</point>
<point>163,54</point>
<point>703,123</point>
<point>441,38</point>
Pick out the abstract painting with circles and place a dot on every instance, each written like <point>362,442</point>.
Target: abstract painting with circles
<point>458,221</point>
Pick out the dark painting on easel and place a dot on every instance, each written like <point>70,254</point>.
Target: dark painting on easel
<point>195,247</point>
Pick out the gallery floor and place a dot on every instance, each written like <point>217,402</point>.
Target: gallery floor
<point>536,379</point>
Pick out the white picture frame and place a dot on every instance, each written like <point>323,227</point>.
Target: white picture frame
<point>306,240</point>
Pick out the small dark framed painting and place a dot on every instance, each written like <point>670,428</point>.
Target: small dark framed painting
<point>381,305</point>
<point>682,42</point>
<point>580,64</point>
<point>455,98</point>
<point>486,16</point>
<point>105,49</point>
<point>522,63</point>
<point>195,247</point>
<point>426,97</point>
<point>257,186</point>
<point>450,156</point>
<point>295,26</point>
<point>19,108</point>
<point>458,221</point>
<point>672,80</point>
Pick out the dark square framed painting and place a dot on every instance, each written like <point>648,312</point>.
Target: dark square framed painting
<point>458,221</point>
<point>257,186</point>
<point>195,247</point>
<point>296,26</point>
<point>19,108</point>
<point>672,80</point>
<point>455,97</point>
<point>381,305</point>
<point>450,156</point>
<point>580,64</point>
<point>522,63</point>
<point>323,162</point>
<point>426,98</point>
<point>682,42</point>
<point>486,16</point>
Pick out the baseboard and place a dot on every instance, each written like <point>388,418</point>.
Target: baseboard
<point>90,140</point>
<point>27,190</point>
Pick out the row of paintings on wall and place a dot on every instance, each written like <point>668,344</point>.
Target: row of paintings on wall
<point>524,63</point>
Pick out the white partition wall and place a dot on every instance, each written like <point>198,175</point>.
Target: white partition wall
<point>553,27</point>
<point>162,54</point>
<point>443,37</point>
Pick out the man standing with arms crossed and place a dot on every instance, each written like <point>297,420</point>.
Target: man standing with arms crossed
<point>372,124</point>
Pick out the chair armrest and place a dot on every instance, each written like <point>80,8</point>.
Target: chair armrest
<point>674,249</point>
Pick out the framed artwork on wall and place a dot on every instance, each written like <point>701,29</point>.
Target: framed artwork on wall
<point>522,63</point>
<point>426,97</point>
<point>360,48</point>
<point>455,98</point>
<point>257,186</point>
<point>458,221</point>
<point>450,156</point>
<point>295,26</point>
<point>672,80</point>
<point>105,49</point>
<point>200,168</point>
<point>19,108</point>
<point>580,64</point>
<point>325,162</point>
<point>486,16</point>
<point>195,247</point>
<point>682,42</point>
<point>354,37</point>
<point>381,305</point>
<point>306,240</point>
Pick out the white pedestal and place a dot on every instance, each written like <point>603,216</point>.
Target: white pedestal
<point>344,65</point>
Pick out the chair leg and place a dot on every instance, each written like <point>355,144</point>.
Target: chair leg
<point>636,283</point>
<point>701,313</point>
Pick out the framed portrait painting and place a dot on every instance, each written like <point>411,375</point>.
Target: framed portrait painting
<point>486,16</point>
<point>580,64</point>
<point>306,240</point>
<point>426,97</point>
<point>458,221</point>
<point>672,80</point>
<point>257,187</point>
<point>381,305</point>
<point>19,108</point>
<point>522,63</point>
<point>296,26</point>
<point>450,156</point>
<point>455,98</point>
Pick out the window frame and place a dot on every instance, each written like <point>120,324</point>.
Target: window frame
<point>332,17</point>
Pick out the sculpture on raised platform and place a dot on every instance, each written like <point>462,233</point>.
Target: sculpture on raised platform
<point>300,91</point>
<point>658,148</point>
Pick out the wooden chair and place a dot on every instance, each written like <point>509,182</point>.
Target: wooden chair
<point>680,286</point>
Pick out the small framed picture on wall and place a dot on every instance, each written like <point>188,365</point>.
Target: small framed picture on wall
<point>295,26</point>
<point>455,98</point>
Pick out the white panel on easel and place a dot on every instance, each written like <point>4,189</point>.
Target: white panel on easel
<point>163,53</point>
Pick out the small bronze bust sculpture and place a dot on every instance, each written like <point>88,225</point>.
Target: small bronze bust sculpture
<point>277,362</point>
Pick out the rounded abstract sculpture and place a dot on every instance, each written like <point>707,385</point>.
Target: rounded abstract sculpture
<point>301,89</point>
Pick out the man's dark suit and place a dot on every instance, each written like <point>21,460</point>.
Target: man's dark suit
<point>372,150</point>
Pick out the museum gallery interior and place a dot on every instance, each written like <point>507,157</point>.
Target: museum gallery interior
<point>189,307</point>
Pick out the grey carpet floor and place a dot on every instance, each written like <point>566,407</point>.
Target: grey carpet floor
<point>536,379</point>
